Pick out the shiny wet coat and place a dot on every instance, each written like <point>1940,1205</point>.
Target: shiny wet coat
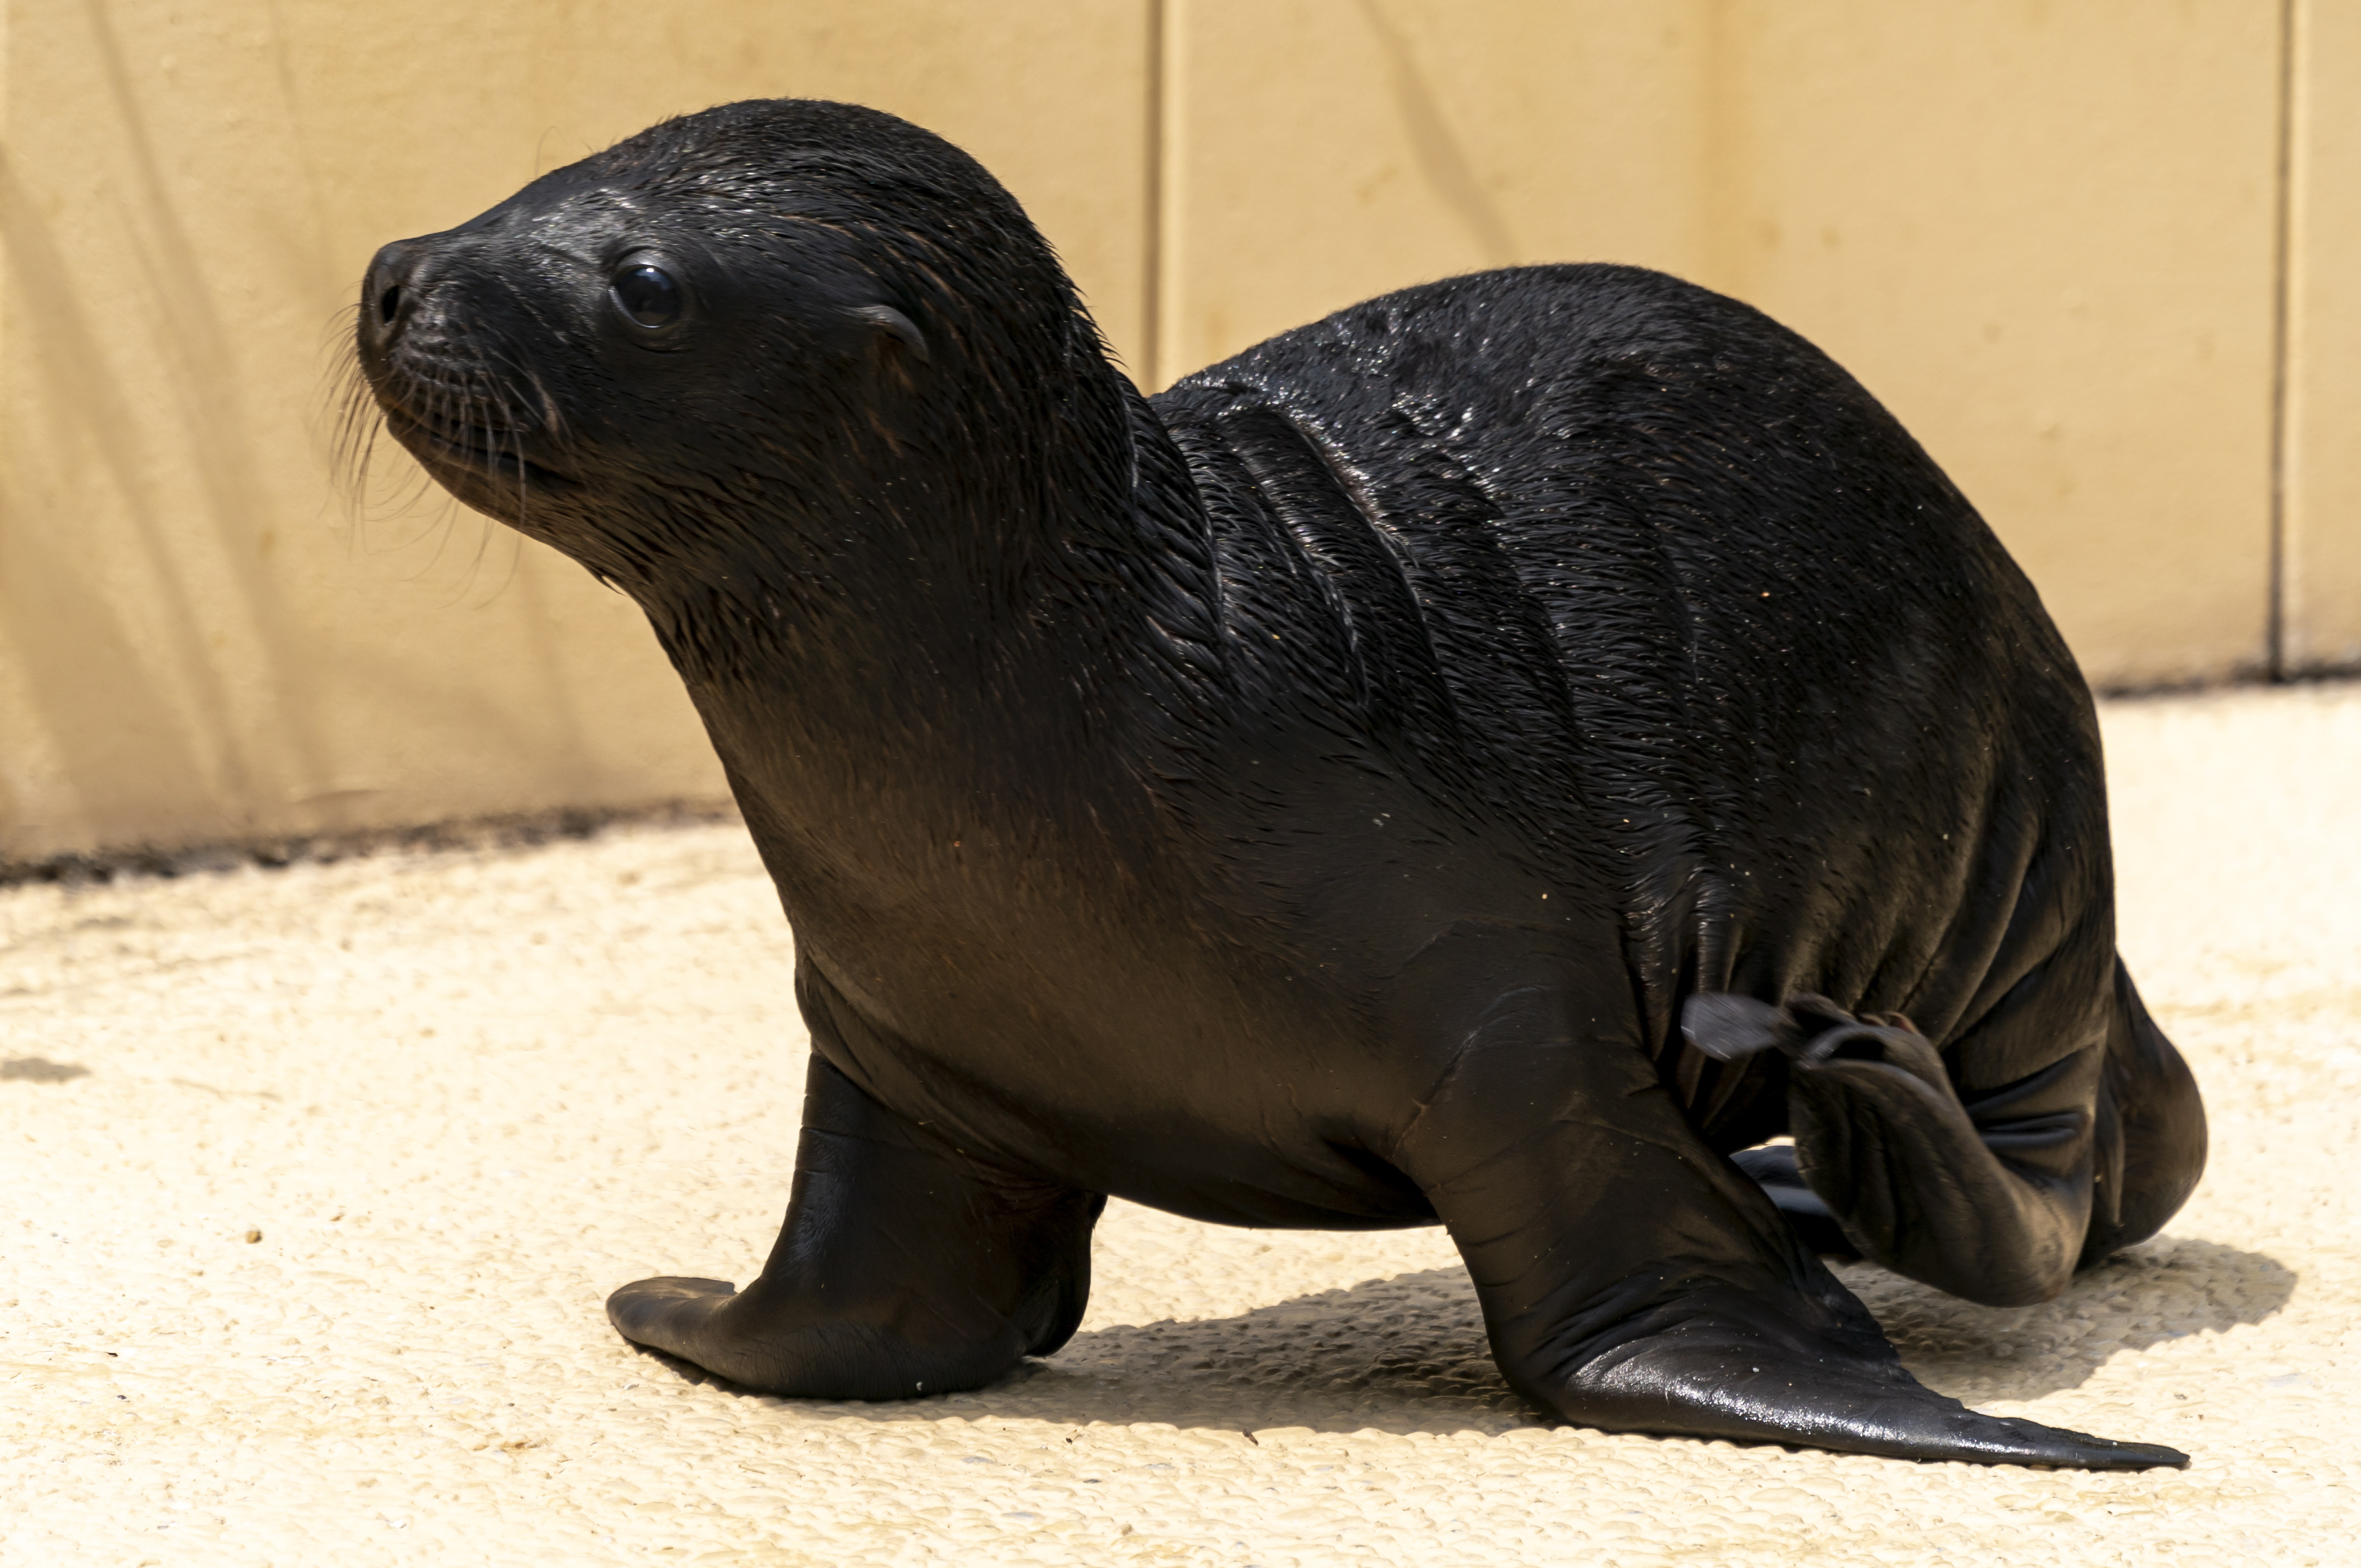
<point>1315,796</point>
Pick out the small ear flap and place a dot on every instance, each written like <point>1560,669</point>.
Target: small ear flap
<point>900,325</point>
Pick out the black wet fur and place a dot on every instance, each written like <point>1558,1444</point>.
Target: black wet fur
<point>1311,797</point>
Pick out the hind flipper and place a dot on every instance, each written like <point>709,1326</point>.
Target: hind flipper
<point>1987,1196</point>
<point>1633,1279</point>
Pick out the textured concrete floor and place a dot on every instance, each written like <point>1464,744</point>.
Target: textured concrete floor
<point>458,1097</point>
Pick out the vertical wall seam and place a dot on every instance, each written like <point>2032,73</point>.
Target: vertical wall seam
<point>1171,68</point>
<point>2276,629</point>
<point>1151,294</point>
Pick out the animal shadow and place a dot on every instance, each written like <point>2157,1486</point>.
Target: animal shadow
<point>2165,1289</point>
<point>1408,1355</point>
<point>1402,1355</point>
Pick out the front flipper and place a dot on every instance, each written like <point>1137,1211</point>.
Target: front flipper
<point>1986,1198</point>
<point>1633,1279</point>
<point>904,1268</point>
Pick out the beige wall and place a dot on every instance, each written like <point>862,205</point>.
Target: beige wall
<point>1321,151</point>
<point>2043,234</point>
<point>196,641</point>
<point>2047,234</point>
<point>2321,553</point>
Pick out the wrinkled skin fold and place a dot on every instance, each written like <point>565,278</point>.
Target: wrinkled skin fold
<point>1500,756</point>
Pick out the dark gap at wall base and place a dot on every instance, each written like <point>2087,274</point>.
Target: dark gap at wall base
<point>516,830</point>
<point>2307,675</point>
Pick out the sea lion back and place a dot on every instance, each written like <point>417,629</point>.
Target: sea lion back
<point>1664,548</point>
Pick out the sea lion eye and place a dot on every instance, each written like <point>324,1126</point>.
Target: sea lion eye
<point>647,295</point>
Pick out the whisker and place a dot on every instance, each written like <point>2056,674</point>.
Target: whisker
<point>515,559</point>
<point>471,407</point>
<point>440,414</point>
<point>493,402</point>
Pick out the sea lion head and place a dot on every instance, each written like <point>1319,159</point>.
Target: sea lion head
<point>740,338</point>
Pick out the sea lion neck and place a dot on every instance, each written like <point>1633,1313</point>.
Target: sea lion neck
<point>993,657</point>
<point>956,566</point>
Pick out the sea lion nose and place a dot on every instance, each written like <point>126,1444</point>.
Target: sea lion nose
<point>391,283</point>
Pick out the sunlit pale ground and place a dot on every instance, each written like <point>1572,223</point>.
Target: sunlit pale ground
<point>459,1097</point>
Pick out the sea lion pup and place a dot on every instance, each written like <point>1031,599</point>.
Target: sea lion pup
<point>1486,757</point>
